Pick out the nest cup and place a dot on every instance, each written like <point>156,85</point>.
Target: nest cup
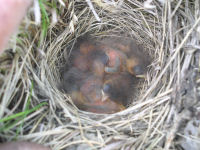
<point>142,125</point>
<point>88,28</point>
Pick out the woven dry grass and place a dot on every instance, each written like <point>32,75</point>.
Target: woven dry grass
<point>166,104</point>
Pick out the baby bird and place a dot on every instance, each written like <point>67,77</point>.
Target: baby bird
<point>86,46</point>
<point>72,80</point>
<point>80,55</point>
<point>116,59</point>
<point>135,60</point>
<point>88,58</point>
<point>119,87</point>
<point>91,89</point>
<point>135,66</point>
<point>79,61</point>
<point>99,59</point>
<point>89,98</point>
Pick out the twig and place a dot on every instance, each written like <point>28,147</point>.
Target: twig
<point>93,11</point>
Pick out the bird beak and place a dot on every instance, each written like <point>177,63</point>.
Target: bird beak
<point>104,96</point>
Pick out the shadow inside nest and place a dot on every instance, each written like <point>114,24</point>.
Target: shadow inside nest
<point>102,76</point>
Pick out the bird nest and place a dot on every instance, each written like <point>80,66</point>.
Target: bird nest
<point>165,111</point>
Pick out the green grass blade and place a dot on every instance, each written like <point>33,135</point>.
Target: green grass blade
<point>20,114</point>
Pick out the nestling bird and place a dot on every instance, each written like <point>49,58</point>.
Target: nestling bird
<point>89,98</point>
<point>86,46</point>
<point>99,59</point>
<point>116,59</point>
<point>73,79</point>
<point>89,60</point>
<point>119,87</point>
<point>135,66</point>
<point>136,60</point>
<point>79,61</point>
<point>91,88</point>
